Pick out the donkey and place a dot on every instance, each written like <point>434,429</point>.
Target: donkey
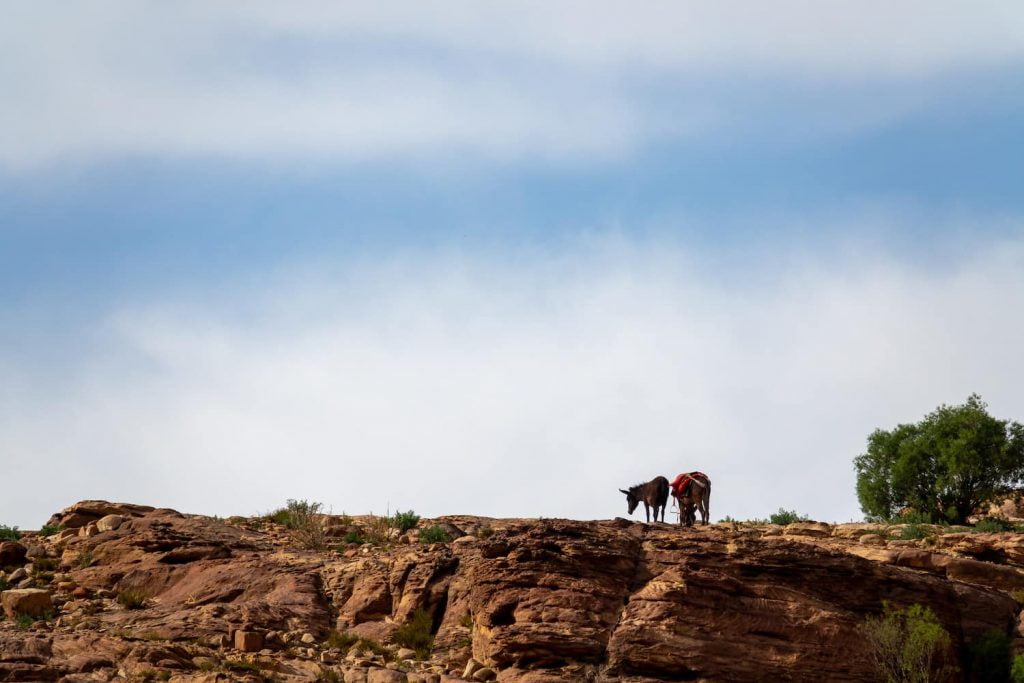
<point>692,490</point>
<point>652,494</point>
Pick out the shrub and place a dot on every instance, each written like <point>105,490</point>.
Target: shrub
<point>909,645</point>
<point>44,564</point>
<point>784,516</point>
<point>416,634</point>
<point>3,584</point>
<point>403,521</point>
<point>914,531</point>
<point>9,533</point>
<point>354,536</point>
<point>372,646</point>
<point>132,598</point>
<point>434,534</point>
<point>484,532</point>
<point>303,518</point>
<point>328,676</point>
<point>23,622</point>
<point>50,529</point>
<point>378,530</point>
<point>341,640</point>
<point>466,620</point>
<point>85,559</point>
<point>991,524</point>
<point>1017,670</point>
<point>989,658</point>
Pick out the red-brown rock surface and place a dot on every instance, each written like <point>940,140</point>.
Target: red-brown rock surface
<point>525,600</point>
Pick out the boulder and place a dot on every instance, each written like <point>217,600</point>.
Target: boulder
<point>248,641</point>
<point>31,602</point>
<point>12,554</point>
<point>109,522</point>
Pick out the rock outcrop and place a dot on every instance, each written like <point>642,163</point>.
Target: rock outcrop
<point>154,593</point>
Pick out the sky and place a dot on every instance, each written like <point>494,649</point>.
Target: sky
<point>498,258</point>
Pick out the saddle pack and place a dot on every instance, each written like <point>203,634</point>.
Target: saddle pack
<point>682,483</point>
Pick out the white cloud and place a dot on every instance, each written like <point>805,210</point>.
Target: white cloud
<point>566,81</point>
<point>466,383</point>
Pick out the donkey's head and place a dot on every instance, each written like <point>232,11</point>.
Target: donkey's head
<point>631,499</point>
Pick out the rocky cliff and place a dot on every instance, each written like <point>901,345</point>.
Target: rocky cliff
<point>131,592</point>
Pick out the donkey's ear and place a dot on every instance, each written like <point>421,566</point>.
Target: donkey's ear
<point>624,491</point>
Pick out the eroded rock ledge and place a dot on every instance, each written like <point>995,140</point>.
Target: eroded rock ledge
<point>522,600</point>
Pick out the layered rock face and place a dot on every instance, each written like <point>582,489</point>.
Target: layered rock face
<point>154,594</point>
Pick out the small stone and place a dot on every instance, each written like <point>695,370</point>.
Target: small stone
<point>32,602</point>
<point>88,531</point>
<point>308,638</point>
<point>471,667</point>
<point>405,653</point>
<point>485,674</point>
<point>80,593</point>
<point>248,641</point>
<point>17,575</point>
<point>109,523</point>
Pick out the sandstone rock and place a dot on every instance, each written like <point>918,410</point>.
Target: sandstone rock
<point>88,531</point>
<point>484,674</point>
<point>19,574</point>
<point>815,529</point>
<point>385,676</point>
<point>248,641</point>
<point>308,638</point>
<point>472,666</point>
<point>32,602</point>
<point>405,653</point>
<point>355,675</point>
<point>872,539</point>
<point>86,511</point>
<point>12,553</point>
<point>109,522</point>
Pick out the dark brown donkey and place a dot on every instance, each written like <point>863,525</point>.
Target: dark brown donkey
<point>692,491</point>
<point>652,494</point>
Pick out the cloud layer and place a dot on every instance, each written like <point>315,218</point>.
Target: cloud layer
<point>527,384</point>
<point>568,82</point>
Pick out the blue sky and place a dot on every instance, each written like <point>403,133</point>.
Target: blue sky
<point>508,196</point>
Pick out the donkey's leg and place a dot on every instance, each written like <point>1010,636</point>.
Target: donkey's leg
<point>647,511</point>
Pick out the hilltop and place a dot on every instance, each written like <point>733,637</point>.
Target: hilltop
<point>125,591</point>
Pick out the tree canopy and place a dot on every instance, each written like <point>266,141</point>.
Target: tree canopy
<point>944,467</point>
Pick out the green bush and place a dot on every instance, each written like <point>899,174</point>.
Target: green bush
<point>341,640</point>
<point>50,529</point>
<point>133,598</point>
<point>354,536</point>
<point>416,634</point>
<point>909,645</point>
<point>3,584</point>
<point>989,658</point>
<point>303,518</point>
<point>993,524</point>
<point>915,531</point>
<point>1017,670</point>
<point>9,533</point>
<point>434,534</point>
<point>784,517</point>
<point>404,521</point>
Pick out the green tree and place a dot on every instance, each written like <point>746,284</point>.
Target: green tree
<point>944,467</point>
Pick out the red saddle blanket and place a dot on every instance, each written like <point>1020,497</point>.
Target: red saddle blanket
<point>682,482</point>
